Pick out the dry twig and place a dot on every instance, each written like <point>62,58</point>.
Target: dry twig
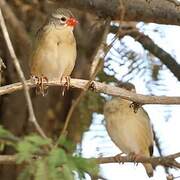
<point>32,117</point>
<point>100,88</point>
<point>167,161</point>
<point>2,65</point>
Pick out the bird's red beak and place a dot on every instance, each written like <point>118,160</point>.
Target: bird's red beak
<point>71,22</point>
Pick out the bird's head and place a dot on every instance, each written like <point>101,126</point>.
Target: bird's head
<point>63,18</point>
<point>127,85</point>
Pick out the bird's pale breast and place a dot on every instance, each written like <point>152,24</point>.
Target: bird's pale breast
<point>130,131</point>
<point>55,53</point>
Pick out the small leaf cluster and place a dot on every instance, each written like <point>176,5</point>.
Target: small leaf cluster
<point>41,160</point>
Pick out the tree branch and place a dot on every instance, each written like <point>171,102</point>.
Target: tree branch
<point>100,88</point>
<point>8,159</point>
<point>175,2</point>
<point>161,11</point>
<point>167,161</point>
<point>164,57</point>
<point>149,44</point>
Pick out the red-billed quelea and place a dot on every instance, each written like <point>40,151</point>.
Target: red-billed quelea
<point>54,52</point>
<point>130,131</point>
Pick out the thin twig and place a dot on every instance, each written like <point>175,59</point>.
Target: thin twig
<point>167,161</point>
<point>123,11</point>
<point>2,65</point>
<point>8,159</point>
<point>32,117</point>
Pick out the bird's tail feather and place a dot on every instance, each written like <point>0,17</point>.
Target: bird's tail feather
<point>149,169</point>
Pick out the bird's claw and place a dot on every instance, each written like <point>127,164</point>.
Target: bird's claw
<point>92,86</point>
<point>118,158</point>
<point>135,106</point>
<point>134,157</point>
<point>66,84</point>
<point>40,87</point>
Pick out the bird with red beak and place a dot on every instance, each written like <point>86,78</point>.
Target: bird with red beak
<point>54,52</point>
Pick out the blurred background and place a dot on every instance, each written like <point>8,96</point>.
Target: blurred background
<point>141,53</point>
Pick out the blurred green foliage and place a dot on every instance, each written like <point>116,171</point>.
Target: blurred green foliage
<point>41,160</point>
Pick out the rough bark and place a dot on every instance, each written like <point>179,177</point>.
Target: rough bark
<point>161,11</point>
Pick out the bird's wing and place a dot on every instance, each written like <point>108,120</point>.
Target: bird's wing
<point>146,124</point>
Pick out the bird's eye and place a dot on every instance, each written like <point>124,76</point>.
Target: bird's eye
<point>63,19</point>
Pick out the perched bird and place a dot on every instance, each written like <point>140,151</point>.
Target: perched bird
<point>130,131</point>
<point>54,52</point>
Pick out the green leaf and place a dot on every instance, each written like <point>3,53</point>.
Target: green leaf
<point>25,174</point>
<point>41,170</point>
<point>55,165</point>
<point>25,151</point>
<point>67,173</point>
<point>84,165</point>
<point>37,140</point>
<point>57,157</point>
<point>29,146</point>
<point>2,145</point>
<point>63,142</point>
<point>4,132</point>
